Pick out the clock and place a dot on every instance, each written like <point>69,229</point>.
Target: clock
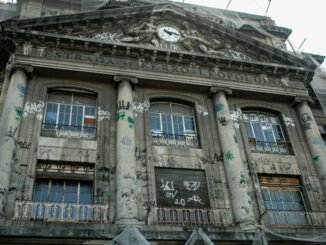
<point>169,34</point>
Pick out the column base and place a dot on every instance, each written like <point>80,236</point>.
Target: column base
<point>124,222</point>
<point>248,225</point>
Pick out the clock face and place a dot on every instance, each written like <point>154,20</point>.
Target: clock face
<point>169,34</point>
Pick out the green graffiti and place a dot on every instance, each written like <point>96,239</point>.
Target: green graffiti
<point>242,178</point>
<point>131,122</point>
<point>249,201</point>
<point>229,156</point>
<point>19,112</point>
<point>316,158</point>
<point>235,138</point>
<point>120,115</point>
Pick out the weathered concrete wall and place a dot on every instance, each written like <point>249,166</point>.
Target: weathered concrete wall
<point>207,157</point>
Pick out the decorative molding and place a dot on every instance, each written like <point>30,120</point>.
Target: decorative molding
<point>215,90</point>
<point>299,99</point>
<point>121,78</point>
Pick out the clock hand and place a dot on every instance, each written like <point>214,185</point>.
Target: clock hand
<point>170,32</point>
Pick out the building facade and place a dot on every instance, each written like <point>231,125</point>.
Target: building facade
<point>159,124</point>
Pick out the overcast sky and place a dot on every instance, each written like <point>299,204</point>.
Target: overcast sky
<point>305,17</point>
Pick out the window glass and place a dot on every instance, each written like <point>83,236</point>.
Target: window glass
<point>41,190</point>
<point>266,130</point>
<point>67,191</point>
<point>70,112</point>
<point>56,191</point>
<point>283,194</point>
<point>173,124</point>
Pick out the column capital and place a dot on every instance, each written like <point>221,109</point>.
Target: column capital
<point>13,67</point>
<point>121,78</point>
<point>26,68</point>
<point>214,90</point>
<point>299,99</point>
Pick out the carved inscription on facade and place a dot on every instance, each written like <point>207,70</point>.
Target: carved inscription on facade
<point>159,67</point>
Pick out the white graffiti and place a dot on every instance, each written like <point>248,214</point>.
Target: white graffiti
<point>288,121</point>
<point>236,116</point>
<point>195,199</point>
<point>107,36</point>
<point>171,194</point>
<point>191,185</point>
<point>34,108</point>
<point>181,202</point>
<point>202,110</point>
<point>141,106</point>
<point>103,114</point>
<point>168,186</point>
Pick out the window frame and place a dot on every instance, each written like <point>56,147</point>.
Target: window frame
<point>290,183</point>
<point>278,146</point>
<point>73,129</point>
<point>64,190</point>
<point>171,116</point>
<point>188,137</point>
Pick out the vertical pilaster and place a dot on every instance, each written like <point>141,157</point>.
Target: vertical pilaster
<point>10,122</point>
<point>126,162</point>
<point>314,139</point>
<point>235,173</point>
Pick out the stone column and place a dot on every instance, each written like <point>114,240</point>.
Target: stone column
<point>236,176</point>
<point>9,127</point>
<point>314,139</point>
<point>126,161</point>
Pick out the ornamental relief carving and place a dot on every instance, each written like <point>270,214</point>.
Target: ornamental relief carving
<point>156,33</point>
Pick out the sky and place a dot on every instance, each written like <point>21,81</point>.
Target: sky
<point>304,17</point>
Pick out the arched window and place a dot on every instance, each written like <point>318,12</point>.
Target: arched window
<point>173,123</point>
<point>70,114</point>
<point>265,132</point>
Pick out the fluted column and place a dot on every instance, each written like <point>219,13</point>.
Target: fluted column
<point>126,162</point>
<point>236,176</point>
<point>9,127</point>
<point>314,139</point>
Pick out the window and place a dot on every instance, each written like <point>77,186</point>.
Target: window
<point>283,197</point>
<point>265,133</point>
<point>66,191</point>
<point>173,123</point>
<point>70,114</point>
<point>181,188</point>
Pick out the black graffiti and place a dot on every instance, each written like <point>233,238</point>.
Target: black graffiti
<point>47,152</point>
<point>3,191</point>
<point>223,121</point>
<point>24,144</point>
<point>140,156</point>
<point>171,162</point>
<point>104,173</point>
<point>149,204</point>
<point>306,121</point>
<point>212,160</point>
<point>85,155</point>
<point>10,135</point>
<point>123,105</point>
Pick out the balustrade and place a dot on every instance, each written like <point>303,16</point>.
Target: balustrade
<point>173,216</point>
<point>62,212</point>
<point>297,219</point>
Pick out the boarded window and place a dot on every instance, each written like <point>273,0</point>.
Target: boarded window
<point>181,188</point>
<point>282,193</point>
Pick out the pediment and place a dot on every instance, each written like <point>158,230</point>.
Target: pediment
<point>164,27</point>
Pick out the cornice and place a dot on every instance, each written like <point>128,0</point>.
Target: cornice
<point>134,51</point>
<point>265,51</point>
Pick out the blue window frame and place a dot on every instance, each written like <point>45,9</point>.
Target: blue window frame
<point>63,191</point>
